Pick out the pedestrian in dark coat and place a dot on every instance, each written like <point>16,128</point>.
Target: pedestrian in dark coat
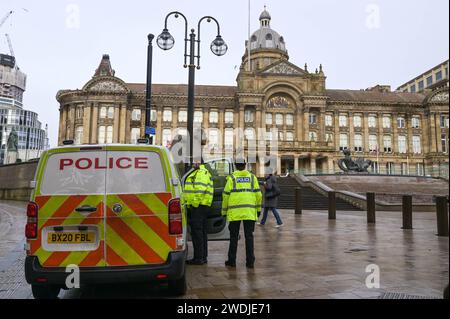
<point>271,194</point>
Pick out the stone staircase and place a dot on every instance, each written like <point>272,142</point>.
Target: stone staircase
<point>312,200</point>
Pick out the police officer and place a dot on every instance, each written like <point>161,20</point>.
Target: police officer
<point>198,192</point>
<point>241,202</point>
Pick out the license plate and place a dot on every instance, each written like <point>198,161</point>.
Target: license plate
<point>71,238</point>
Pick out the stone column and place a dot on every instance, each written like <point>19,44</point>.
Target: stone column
<point>175,112</point>
<point>123,124</point>
<point>222,130</point>
<point>299,121</point>
<point>337,137</point>
<point>72,122</point>
<point>410,133</point>
<point>330,165</point>
<point>394,133</point>
<point>116,124</point>
<point>306,124</point>
<point>321,124</point>
<point>433,134</point>
<point>87,124</point>
<point>425,133</point>
<point>296,158</point>
<point>380,137</point>
<point>159,127</point>
<point>279,165</point>
<point>351,130</point>
<point>312,164</point>
<point>62,124</point>
<point>258,122</point>
<point>241,118</point>
<point>94,120</point>
<point>241,126</point>
<point>205,123</point>
<point>366,132</point>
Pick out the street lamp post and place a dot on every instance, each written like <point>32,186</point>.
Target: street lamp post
<point>166,42</point>
<point>148,95</point>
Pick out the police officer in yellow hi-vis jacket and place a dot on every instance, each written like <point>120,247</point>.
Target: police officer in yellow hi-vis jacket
<point>241,202</point>
<point>198,195</point>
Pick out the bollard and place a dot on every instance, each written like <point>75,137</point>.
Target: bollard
<point>331,205</point>
<point>298,201</point>
<point>407,212</point>
<point>442,216</point>
<point>370,199</point>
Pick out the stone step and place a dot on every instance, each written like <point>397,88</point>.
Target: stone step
<point>312,200</point>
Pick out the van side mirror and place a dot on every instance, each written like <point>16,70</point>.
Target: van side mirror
<point>32,184</point>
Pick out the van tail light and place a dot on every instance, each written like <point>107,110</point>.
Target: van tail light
<point>31,228</point>
<point>175,217</point>
<point>32,210</point>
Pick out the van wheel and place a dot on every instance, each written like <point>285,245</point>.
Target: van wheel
<point>45,292</point>
<point>178,287</point>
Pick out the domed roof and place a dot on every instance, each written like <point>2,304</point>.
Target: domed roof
<point>266,37</point>
<point>265,15</point>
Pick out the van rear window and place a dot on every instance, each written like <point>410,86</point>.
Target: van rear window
<point>94,172</point>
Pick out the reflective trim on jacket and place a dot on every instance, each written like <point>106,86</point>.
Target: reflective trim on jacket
<point>198,188</point>
<point>241,197</point>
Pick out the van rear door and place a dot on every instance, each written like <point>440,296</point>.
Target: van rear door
<point>69,194</point>
<point>138,192</point>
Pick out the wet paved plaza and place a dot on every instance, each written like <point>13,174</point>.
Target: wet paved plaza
<point>310,257</point>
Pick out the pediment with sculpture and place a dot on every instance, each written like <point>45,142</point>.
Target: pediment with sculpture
<point>439,97</point>
<point>283,68</point>
<point>106,85</point>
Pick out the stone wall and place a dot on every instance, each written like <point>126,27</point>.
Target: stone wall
<point>15,181</point>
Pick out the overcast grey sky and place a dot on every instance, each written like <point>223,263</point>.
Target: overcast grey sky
<point>360,43</point>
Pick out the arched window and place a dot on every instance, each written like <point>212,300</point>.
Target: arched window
<point>101,134</point>
<point>136,115</point>
<point>135,134</point>
<point>79,135</point>
<point>253,42</point>
<point>103,112</point>
<point>109,134</point>
<point>282,44</point>
<point>269,40</point>
<point>111,112</point>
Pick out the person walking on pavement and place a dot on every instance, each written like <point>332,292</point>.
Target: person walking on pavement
<point>241,202</point>
<point>198,192</point>
<point>271,194</point>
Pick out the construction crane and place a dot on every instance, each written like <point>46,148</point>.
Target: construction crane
<point>3,20</point>
<point>10,44</point>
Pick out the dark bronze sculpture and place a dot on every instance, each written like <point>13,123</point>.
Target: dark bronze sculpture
<point>13,141</point>
<point>350,166</point>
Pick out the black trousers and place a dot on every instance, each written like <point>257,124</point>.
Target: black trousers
<point>197,221</point>
<point>249,228</point>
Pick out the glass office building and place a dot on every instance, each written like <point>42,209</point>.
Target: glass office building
<point>32,139</point>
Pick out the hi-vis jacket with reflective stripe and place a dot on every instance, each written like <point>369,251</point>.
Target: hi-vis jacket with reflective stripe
<point>198,189</point>
<point>241,197</point>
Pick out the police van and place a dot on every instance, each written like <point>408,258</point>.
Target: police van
<point>115,213</point>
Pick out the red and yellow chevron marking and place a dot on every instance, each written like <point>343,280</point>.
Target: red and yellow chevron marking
<point>60,211</point>
<point>138,235</point>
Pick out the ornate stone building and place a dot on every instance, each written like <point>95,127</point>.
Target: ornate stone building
<point>404,133</point>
